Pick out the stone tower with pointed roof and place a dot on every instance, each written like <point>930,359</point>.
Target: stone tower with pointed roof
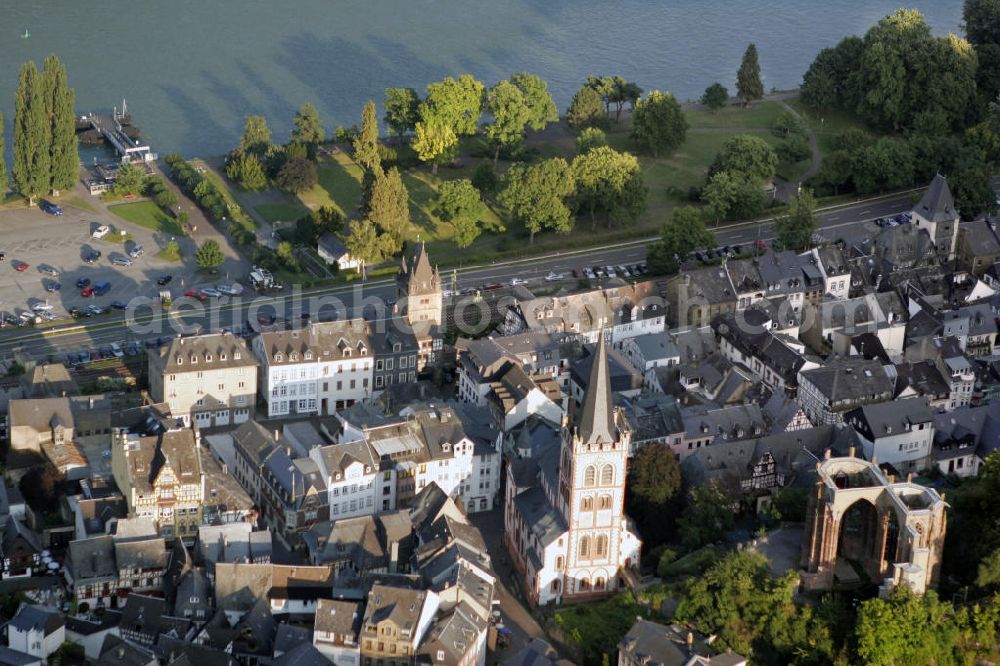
<point>420,303</point>
<point>591,494</point>
<point>937,215</point>
<point>418,289</point>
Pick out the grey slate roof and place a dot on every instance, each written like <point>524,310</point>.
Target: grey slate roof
<point>142,554</point>
<point>850,379</point>
<point>9,657</point>
<point>305,654</point>
<point>937,204</point>
<point>545,522</point>
<point>339,617</point>
<point>116,652</point>
<point>889,418</point>
<point>212,351</point>
<point>38,618</point>
<point>92,558</point>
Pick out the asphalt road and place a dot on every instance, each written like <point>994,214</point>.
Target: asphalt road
<point>226,312</point>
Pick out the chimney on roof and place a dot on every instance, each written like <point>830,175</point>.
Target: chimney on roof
<point>690,642</point>
<point>850,452</point>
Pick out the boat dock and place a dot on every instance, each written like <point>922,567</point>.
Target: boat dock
<point>112,129</point>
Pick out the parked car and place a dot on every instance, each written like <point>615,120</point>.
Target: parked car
<point>84,357</point>
<point>119,305</point>
<point>87,292</point>
<point>553,277</point>
<point>610,271</point>
<point>51,208</point>
<point>194,293</point>
<point>164,280</point>
<point>101,287</point>
<point>93,310</point>
<point>131,349</point>
<point>599,272</point>
<point>136,252</point>
<point>516,281</point>
<point>20,266</point>
<point>48,270</point>
<point>623,271</point>
<point>106,351</point>
<point>83,282</point>
<point>101,231</point>
<point>211,293</point>
<point>122,261</point>
<point>52,286</point>
<point>41,307</point>
<point>117,350</point>
<point>93,257</point>
<point>589,274</point>
<point>492,286</point>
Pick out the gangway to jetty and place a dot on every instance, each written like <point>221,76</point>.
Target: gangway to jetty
<point>110,126</point>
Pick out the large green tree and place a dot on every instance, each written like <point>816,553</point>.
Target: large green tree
<point>367,244</point>
<point>715,96</point>
<point>459,202</point>
<point>246,171</point>
<point>749,86</point>
<point>308,128</point>
<point>586,109</point>
<point>707,516</point>
<point>402,110</point>
<point>542,109</point>
<point>506,104</point>
<point>884,165</point>
<point>297,175</point>
<point>982,21</point>
<point>32,132</point>
<point>456,102</point>
<point>609,182</point>
<point>730,194</point>
<point>389,207</point>
<point>748,156</point>
<point>750,611</point>
<point>536,195</point>
<point>590,138</point>
<point>893,50</point>
<point>831,80</point>
<point>366,142</point>
<point>658,124</point>
<point>684,233</point>
<point>971,183</point>
<point>434,141</point>
<point>654,475</point>
<point>64,159</point>
<point>256,136</point>
<point>209,255</point>
<point>954,635</point>
<point>795,229</point>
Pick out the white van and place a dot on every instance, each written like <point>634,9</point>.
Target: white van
<point>101,231</point>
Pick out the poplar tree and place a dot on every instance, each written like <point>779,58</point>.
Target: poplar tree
<point>31,135</point>
<point>366,142</point>
<point>64,160</point>
<point>749,87</point>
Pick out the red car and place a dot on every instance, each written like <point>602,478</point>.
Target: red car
<point>20,266</point>
<point>87,292</point>
<point>194,293</point>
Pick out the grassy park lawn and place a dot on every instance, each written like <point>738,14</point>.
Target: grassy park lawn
<point>280,212</point>
<point>339,184</point>
<point>828,124</point>
<point>147,214</point>
<point>760,116</point>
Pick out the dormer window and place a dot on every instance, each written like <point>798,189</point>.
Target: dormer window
<point>180,360</point>
<point>194,359</point>
<point>278,358</point>
<point>308,356</point>
<point>236,356</point>
<point>208,358</point>
<point>293,357</point>
<point>222,356</point>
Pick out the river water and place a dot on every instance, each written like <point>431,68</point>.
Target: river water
<point>191,70</point>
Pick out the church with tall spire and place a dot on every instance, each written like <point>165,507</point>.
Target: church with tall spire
<point>568,533</point>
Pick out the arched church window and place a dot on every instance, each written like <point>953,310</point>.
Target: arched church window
<point>585,547</point>
<point>607,475</point>
<point>590,475</point>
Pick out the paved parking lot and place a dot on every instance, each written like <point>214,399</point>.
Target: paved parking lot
<point>38,239</point>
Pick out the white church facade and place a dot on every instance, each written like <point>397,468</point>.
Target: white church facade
<point>566,528</point>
